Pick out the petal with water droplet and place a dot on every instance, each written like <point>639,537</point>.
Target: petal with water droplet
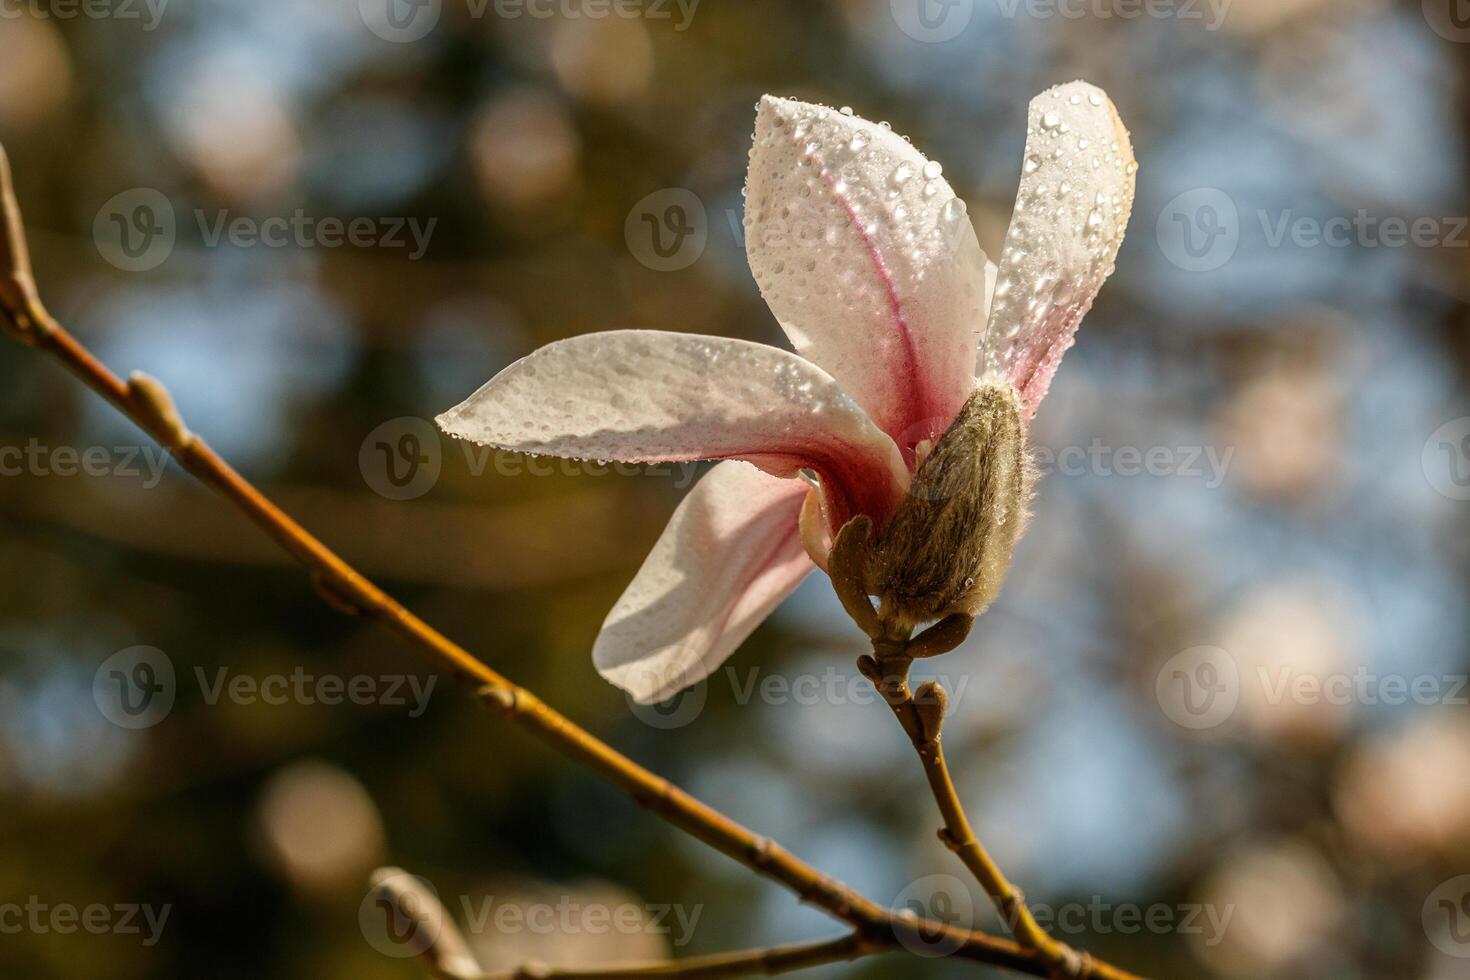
<point>1061,245</point>
<point>893,299</point>
<point>643,396</point>
<point>730,554</point>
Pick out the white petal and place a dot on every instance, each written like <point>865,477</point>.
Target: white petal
<point>1072,207</point>
<point>730,554</point>
<point>868,260</point>
<point>650,396</point>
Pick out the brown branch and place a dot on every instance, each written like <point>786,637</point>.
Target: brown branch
<point>149,405</point>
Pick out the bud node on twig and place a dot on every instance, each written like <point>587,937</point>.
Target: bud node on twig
<point>332,592</point>
<point>931,701</point>
<point>499,695</point>
<point>155,409</point>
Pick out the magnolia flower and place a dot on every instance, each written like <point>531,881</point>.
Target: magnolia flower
<point>918,365</point>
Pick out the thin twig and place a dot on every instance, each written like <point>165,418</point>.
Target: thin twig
<point>149,405</point>
<point>922,718</point>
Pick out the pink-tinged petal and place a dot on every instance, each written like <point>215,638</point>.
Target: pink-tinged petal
<point>1072,207</point>
<point>730,554</point>
<point>645,396</point>
<point>869,262</point>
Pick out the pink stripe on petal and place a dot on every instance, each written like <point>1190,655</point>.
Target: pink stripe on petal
<point>869,262</point>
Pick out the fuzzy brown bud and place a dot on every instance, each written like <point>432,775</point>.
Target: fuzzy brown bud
<point>947,548</point>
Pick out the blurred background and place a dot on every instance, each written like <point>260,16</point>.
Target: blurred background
<point>1216,725</point>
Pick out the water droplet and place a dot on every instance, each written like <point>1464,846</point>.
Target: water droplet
<point>1094,99</point>
<point>932,170</point>
<point>1031,164</point>
<point>846,110</point>
<point>1050,120</point>
<point>900,175</point>
<point>858,142</point>
<point>953,210</point>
